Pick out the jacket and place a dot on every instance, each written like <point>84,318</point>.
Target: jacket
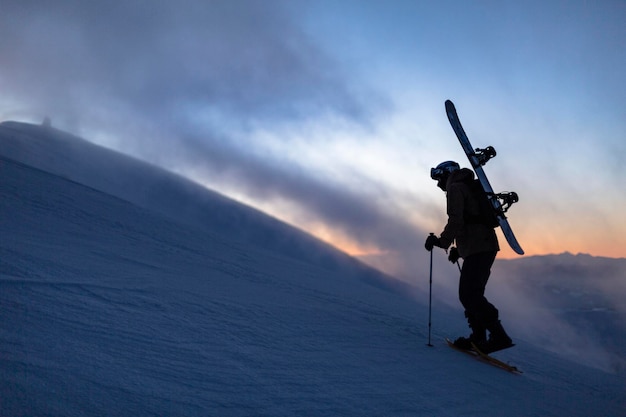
<point>471,238</point>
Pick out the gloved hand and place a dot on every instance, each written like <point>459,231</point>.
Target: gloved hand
<point>431,241</point>
<point>454,255</point>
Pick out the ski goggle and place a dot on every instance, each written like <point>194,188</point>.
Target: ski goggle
<point>437,173</point>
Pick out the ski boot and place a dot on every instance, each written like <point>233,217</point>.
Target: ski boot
<point>498,339</point>
<point>478,338</point>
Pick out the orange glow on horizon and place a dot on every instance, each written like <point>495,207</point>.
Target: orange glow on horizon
<point>591,245</point>
<point>344,243</point>
<point>356,249</point>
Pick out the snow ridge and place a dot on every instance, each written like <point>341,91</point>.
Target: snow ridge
<point>111,307</point>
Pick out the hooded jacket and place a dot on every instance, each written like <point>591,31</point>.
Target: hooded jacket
<point>471,238</point>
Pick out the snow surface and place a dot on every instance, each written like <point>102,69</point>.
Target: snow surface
<point>114,301</point>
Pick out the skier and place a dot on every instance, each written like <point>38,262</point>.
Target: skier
<point>477,244</point>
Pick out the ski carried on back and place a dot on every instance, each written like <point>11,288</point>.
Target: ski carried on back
<point>483,357</point>
<point>500,202</point>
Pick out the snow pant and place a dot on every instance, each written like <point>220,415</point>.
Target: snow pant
<point>475,273</point>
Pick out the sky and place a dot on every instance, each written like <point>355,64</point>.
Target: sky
<point>329,115</point>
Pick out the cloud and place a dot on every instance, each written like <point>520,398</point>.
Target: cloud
<point>185,84</point>
<point>366,214</point>
<point>169,61</point>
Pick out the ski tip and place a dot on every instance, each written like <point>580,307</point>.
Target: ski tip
<point>517,249</point>
<point>450,107</point>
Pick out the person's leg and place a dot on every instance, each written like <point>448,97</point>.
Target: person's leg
<point>480,313</point>
<point>474,276</point>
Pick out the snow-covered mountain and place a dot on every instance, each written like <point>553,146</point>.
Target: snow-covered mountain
<point>125,290</point>
<point>571,304</point>
<point>170,195</point>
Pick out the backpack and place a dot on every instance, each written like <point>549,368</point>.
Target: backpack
<point>487,215</point>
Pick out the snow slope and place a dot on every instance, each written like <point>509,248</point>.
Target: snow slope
<point>109,306</point>
<point>177,198</point>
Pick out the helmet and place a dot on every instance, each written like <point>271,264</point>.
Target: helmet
<point>443,170</point>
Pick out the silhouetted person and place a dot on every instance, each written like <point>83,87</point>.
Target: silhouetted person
<point>477,244</point>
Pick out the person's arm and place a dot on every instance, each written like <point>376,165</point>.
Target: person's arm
<point>455,207</point>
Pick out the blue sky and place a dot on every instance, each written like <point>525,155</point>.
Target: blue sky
<point>329,114</point>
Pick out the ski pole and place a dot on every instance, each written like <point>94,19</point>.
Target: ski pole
<point>430,296</point>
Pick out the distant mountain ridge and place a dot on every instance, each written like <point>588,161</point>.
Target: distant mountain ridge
<point>586,293</point>
<point>581,273</point>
